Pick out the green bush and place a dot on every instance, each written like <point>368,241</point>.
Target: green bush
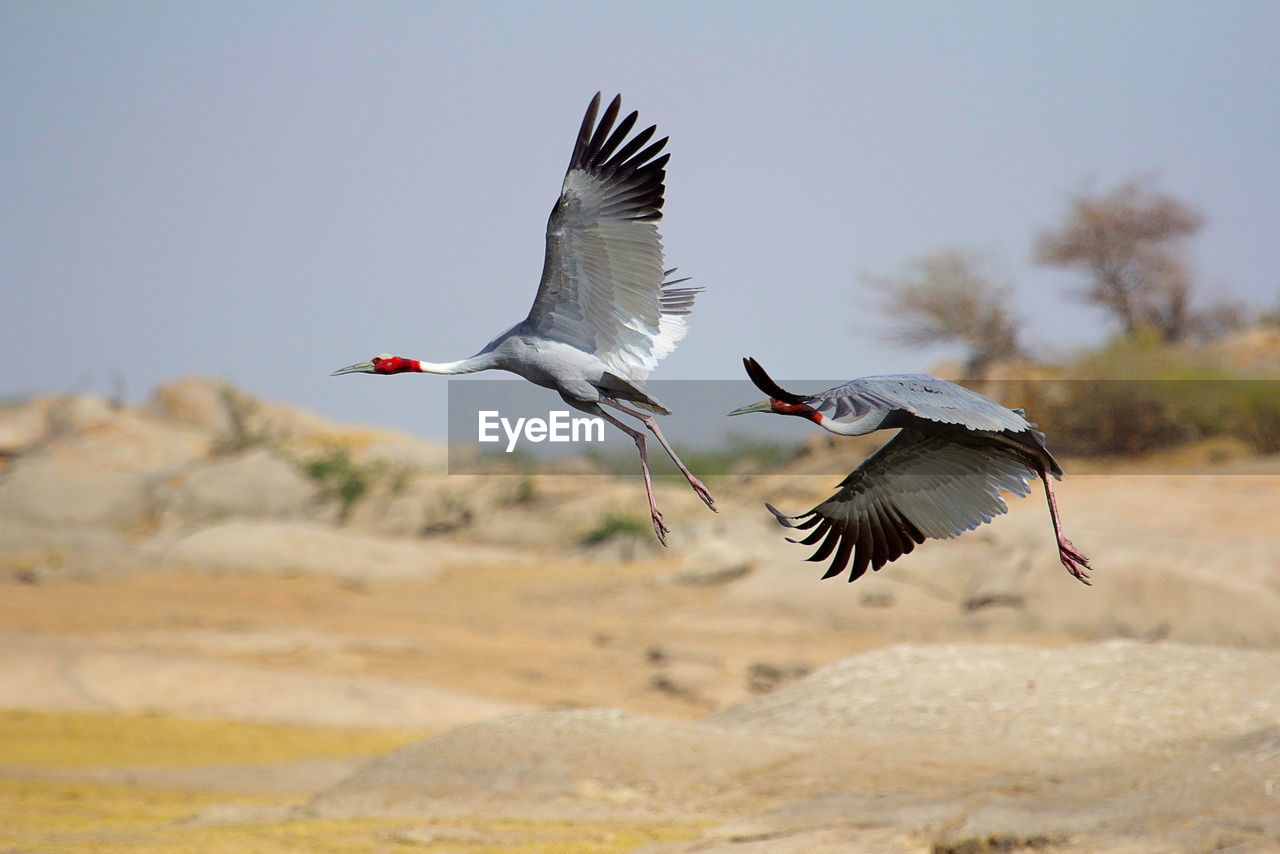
<point>1259,416</point>
<point>341,478</point>
<point>246,427</point>
<point>615,525</point>
<point>1135,396</point>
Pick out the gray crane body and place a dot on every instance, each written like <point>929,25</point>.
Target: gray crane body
<point>932,407</point>
<point>582,379</point>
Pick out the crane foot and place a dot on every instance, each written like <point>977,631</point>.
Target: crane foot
<point>1075,562</point>
<point>703,493</point>
<point>659,527</point>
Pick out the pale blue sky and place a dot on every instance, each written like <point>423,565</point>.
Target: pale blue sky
<point>270,191</point>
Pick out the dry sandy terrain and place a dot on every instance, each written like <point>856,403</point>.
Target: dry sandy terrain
<point>197,655</point>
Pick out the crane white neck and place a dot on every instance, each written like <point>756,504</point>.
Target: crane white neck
<point>868,423</point>
<point>478,362</point>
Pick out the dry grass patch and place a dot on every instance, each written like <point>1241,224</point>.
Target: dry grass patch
<point>78,818</point>
<point>94,740</point>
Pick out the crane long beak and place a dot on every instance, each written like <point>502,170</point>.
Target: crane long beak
<point>762,406</point>
<point>357,368</point>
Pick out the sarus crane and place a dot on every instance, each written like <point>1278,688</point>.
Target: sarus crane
<point>606,311</point>
<point>940,476</point>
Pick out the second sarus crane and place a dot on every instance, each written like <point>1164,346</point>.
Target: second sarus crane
<point>940,476</point>
<point>605,312</point>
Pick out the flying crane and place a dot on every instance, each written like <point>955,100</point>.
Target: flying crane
<point>939,477</point>
<point>606,311</point>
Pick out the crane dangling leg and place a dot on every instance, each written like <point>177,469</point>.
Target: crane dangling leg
<point>1075,562</point>
<point>649,421</point>
<point>1040,460</point>
<point>659,527</point>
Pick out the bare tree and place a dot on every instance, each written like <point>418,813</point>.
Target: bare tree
<point>949,297</point>
<point>1220,318</point>
<point>1130,243</point>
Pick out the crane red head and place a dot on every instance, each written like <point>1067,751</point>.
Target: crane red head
<point>780,400</point>
<point>383,363</point>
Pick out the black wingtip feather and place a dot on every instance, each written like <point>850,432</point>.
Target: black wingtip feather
<point>623,154</point>
<point>841,560</point>
<point>854,536</point>
<point>604,152</point>
<point>766,384</point>
<point>816,534</point>
<point>602,130</point>
<point>584,132</point>
<point>880,545</point>
<point>862,555</point>
<point>828,546</point>
<point>783,518</point>
<point>641,161</point>
<point>908,528</point>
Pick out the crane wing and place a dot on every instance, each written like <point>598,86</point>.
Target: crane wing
<point>913,488</point>
<point>603,285</point>
<point>921,395</point>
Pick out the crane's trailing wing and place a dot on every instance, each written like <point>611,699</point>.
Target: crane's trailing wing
<point>913,488</point>
<point>603,287</point>
<point>921,395</point>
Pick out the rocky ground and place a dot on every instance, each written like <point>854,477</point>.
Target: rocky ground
<point>226,625</point>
